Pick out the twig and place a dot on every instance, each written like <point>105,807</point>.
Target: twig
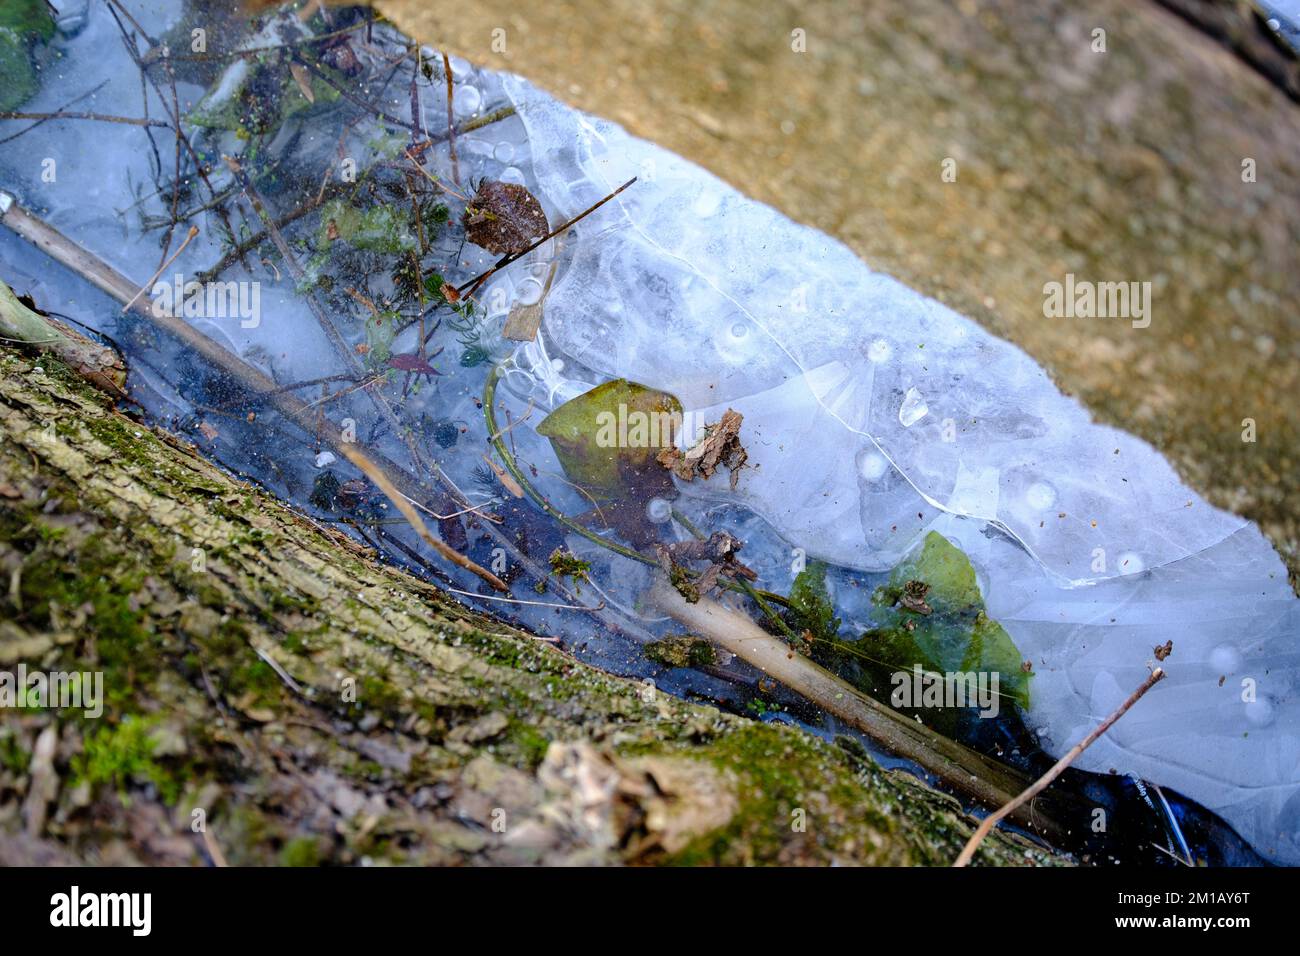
<point>97,117</point>
<point>381,480</point>
<point>418,133</point>
<point>964,770</point>
<point>350,96</point>
<point>194,231</point>
<point>473,284</point>
<point>469,126</point>
<point>283,674</point>
<point>514,600</point>
<point>451,123</point>
<point>71,102</point>
<point>248,245</point>
<point>427,175</point>
<point>129,43</point>
<point>176,176</point>
<point>134,22</point>
<point>214,851</point>
<point>1042,782</point>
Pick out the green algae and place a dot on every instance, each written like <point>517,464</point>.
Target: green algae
<point>23,23</point>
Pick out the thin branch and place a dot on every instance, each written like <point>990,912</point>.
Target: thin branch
<point>381,480</point>
<point>194,231</point>
<point>97,117</point>
<point>248,245</point>
<point>129,43</point>
<point>1042,782</point>
<point>352,98</point>
<point>61,109</point>
<point>473,284</point>
<point>451,119</point>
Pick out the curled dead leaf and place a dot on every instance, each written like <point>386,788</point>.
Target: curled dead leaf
<point>504,218</point>
<point>719,446</point>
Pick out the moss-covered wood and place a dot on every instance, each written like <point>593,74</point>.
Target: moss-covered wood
<point>273,695</point>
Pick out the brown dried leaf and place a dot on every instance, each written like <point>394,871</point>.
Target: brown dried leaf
<point>719,446</point>
<point>303,79</point>
<point>913,598</point>
<point>504,218</point>
<point>507,480</point>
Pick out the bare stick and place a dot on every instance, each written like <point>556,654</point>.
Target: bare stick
<point>214,851</point>
<point>381,480</point>
<point>1045,780</point>
<point>70,102</point>
<point>134,22</point>
<point>351,97</point>
<point>129,43</point>
<point>194,231</point>
<point>451,123</point>
<point>473,284</point>
<point>97,117</point>
<point>469,126</point>
<point>964,770</point>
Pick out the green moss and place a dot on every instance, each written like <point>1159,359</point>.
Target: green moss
<point>380,227</point>
<point>122,754</point>
<point>301,851</point>
<point>780,790</point>
<point>681,650</point>
<point>566,564</point>
<point>531,743</point>
<point>14,757</point>
<point>22,24</point>
<point>74,573</point>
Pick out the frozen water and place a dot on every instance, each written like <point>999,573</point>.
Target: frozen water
<point>872,416</point>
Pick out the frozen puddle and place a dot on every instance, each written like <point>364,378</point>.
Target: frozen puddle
<point>873,416</point>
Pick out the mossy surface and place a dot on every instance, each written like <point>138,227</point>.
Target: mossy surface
<point>23,23</point>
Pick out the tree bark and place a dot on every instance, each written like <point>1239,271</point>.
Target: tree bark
<point>274,694</point>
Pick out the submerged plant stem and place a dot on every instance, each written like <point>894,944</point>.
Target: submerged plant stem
<point>965,771</point>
